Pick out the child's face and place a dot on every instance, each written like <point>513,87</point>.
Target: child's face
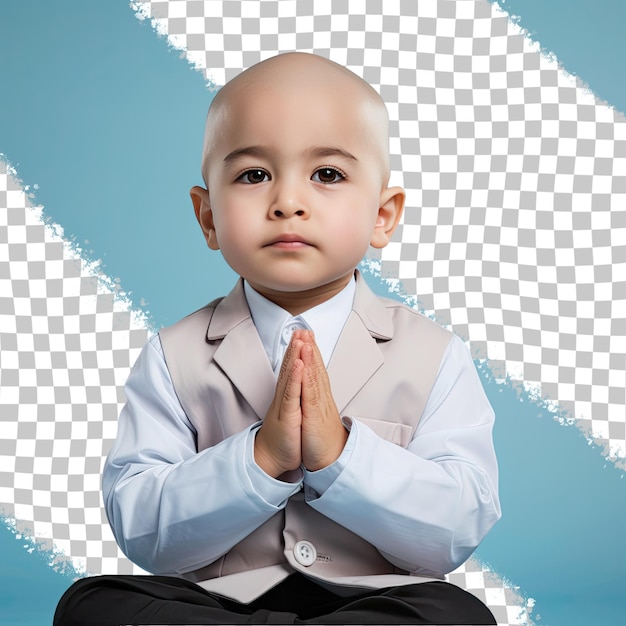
<point>296,187</point>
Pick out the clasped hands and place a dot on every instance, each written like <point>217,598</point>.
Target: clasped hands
<point>302,425</point>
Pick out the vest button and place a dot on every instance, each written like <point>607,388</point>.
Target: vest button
<point>305,553</point>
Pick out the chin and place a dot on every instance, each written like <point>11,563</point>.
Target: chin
<point>292,286</point>
<point>295,287</point>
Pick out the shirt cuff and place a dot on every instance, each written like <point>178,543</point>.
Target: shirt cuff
<point>316,483</point>
<point>273,491</point>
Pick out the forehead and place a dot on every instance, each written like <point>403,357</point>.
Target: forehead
<point>295,103</point>
<point>280,114</point>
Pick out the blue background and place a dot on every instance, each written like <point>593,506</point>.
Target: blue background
<point>107,121</point>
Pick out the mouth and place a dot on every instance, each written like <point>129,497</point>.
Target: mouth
<point>288,241</point>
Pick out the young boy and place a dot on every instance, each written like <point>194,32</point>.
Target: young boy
<point>270,474</point>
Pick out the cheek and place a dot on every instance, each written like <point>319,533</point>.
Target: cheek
<point>236,231</point>
<point>352,237</point>
<point>233,234</point>
<point>235,250</point>
<point>359,222</point>
<point>231,221</point>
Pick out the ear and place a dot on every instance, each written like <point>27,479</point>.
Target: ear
<point>204,215</point>
<point>389,214</point>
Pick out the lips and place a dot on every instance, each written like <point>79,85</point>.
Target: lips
<point>289,241</point>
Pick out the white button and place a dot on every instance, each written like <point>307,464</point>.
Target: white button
<point>305,553</point>
<point>287,332</point>
<point>289,328</point>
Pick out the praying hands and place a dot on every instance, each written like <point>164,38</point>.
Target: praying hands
<point>302,425</point>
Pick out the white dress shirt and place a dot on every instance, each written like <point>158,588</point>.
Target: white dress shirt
<point>275,325</point>
<point>442,489</point>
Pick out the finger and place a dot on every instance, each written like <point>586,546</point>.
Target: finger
<point>307,336</point>
<point>307,354</point>
<point>290,403</point>
<point>317,362</point>
<point>298,333</point>
<point>291,354</point>
<point>317,355</point>
<point>317,396</point>
<point>310,381</point>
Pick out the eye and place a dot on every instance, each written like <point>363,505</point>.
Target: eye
<point>327,175</point>
<point>253,177</point>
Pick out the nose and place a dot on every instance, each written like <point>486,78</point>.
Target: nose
<point>288,202</point>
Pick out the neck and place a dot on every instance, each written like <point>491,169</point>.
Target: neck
<point>298,302</point>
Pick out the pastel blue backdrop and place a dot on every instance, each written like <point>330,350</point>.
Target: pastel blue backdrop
<point>106,121</point>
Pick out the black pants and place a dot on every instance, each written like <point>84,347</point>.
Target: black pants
<point>123,600</point>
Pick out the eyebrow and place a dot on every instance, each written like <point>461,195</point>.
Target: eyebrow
<point>256,151</point>
<point>329,151</point>
<point>318,151</point>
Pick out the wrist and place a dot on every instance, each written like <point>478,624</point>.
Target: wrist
<point>264,459</point>
<point>332,454</point>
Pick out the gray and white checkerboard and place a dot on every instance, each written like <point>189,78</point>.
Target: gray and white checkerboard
<point>513,237</point>
<point>67,342</point>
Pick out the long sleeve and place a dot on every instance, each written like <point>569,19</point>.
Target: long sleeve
<point>172,509</point>
<point>428,506</point>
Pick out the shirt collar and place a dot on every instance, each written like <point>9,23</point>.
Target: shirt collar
<point>326,320</point>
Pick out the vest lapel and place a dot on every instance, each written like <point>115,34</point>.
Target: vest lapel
<point>355,360</point>
<point>241,354</point>
<point>357,357</point>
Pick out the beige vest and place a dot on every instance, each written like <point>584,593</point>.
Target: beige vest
<point>381,373</point>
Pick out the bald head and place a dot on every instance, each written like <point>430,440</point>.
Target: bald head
<point>302,76</point>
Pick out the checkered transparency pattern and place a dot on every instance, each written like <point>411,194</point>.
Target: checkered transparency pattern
<point>514,234</point>
<point>67,343</point>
